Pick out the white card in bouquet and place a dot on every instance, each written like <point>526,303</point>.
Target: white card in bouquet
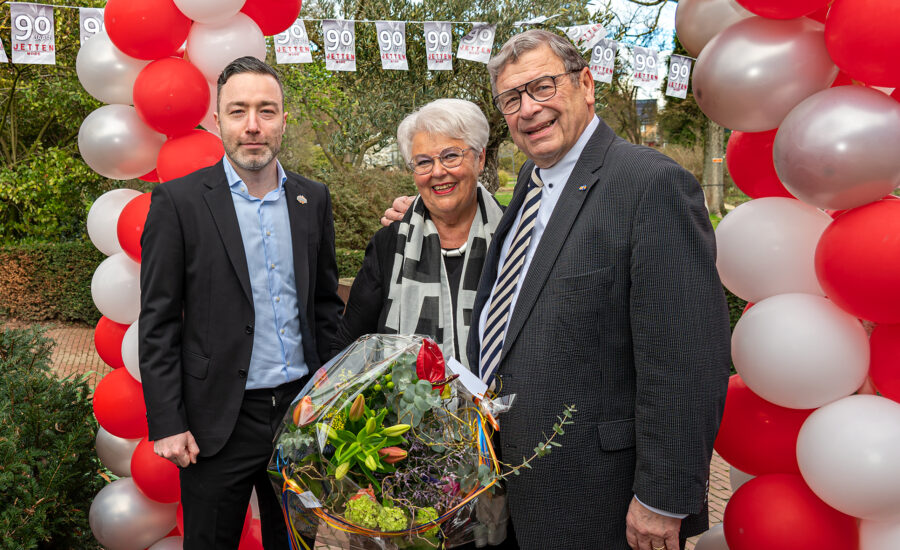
<point>467,378</point>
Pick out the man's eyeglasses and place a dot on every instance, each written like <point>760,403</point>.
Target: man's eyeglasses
<point>451,157</point>
<point>540,89</point>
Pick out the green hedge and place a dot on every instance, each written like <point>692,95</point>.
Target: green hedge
<point>49,281</point>
<point>49,471</point>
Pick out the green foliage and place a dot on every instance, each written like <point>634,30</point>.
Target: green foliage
<point>48,467</point>
<point>735,307</point>
<point>49,281</point>
<point>359,199</point>
<point>349,261</point>
<point>46,196</point>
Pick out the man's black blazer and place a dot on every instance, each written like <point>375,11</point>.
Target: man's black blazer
<point>197,320</point>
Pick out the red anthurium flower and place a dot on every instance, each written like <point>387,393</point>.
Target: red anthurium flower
<point>430,364</point>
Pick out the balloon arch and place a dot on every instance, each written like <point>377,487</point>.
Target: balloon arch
<point>812,419</point>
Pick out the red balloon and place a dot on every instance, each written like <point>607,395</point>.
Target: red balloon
<point>108,340</point>
<point>782,9</point>
<point>842,79</point>
<point>150,176</point>
<point>155,476</point>
<point>756,436</point>
<point>179,518</point>
<point>747,307</point>
<point>119,405</point>
<point>862,39</point>
<point>750,163</point>
<point>252,537</point>
<point>185,154</point>
<point>131,225</point>
<point>779,512</point>
<point>858,261</point>
<point>885,360</point>
<point>896,94</point>
<point>272,16</point>
<point>146,29</point>
<point>171,96</point>
<point>820,14</point>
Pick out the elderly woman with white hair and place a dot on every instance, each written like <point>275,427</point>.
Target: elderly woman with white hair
<point>420,275</point>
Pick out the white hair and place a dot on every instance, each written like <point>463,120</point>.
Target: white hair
<point>453,118</point>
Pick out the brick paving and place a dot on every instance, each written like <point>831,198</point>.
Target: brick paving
<point>74,354</point>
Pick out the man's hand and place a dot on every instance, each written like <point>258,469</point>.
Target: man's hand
<point>646,530</point>
<point>180,448</point>
<point>396,211</point>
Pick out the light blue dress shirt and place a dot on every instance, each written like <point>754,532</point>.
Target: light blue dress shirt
<point>554,179</point>
<point>277,355</point>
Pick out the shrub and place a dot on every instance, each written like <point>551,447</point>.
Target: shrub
<point>49,281</point>
<point>47,197</point>
<point>735,307</point>
<point>349,261</point>
<point>360,198</point>
<point>48,467</point>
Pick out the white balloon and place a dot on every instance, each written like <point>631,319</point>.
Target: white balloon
<point>800,351</point>
<point>103,217</point>
<point>169,543</point>
<point>209,11</point>
<point>879,535</point>
<point>213,46</point>
<point>130,351</point>
<point>767,246</point>
<point>698,21</point>
<point>115,452</point>
<point>115,143</point>
<point>737,478</point>
<point>714,539</point>
<point>105,72</point>
<point>849,455</point>
<point>209,122</point>
<point>122,518</point>
<point>116,288</point>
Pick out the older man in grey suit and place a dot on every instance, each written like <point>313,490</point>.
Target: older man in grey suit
<point>599,290</point>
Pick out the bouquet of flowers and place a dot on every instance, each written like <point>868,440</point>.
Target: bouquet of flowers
<point>386,448</point>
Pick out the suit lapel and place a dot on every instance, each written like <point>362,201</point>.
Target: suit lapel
<point>580,184</point>
<point>300,220</point>
<point>221,205</point>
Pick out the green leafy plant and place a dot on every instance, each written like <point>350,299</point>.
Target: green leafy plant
<point>48,467</point>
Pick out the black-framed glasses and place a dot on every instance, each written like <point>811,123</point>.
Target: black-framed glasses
<point>540,89</point>
<point>451,157</point>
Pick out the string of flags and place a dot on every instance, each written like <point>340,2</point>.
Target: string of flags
<point>33,41</point>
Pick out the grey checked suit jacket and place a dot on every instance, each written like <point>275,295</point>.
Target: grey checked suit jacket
<point>623,315</point>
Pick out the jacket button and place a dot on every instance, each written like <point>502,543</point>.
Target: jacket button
<point>248,329</point>
<point>242,373</point>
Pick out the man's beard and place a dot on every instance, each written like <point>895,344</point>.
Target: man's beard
<point>253,163</point>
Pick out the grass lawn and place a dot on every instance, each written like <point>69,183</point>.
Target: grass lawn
<point>503,196</point>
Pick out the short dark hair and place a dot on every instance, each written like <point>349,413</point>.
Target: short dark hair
<point>247,64</point>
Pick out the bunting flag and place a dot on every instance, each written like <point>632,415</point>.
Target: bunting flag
<point>679,76</point>
<point>534,21</point>
<point>646,72</point>
<point>438,46</point>
<point>339,37</point>
<point>33,35</point>
<point>477,45</point>
<point>292,45</point>
<point>584,37</point>
<point>603,60</point>
<point>392,44</point>
<point>90,22</point>
<point>3,58</point>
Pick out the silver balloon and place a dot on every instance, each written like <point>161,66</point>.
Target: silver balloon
<point>737,478</point>
<point>105,72</point>
<point>840,148</point>
<point>697,21</point>
<point>753,73</point>
<point>169,543</point>
<point>714,539</point>
<point>115,452</point>
<point>122,518</point>
<point>117,144</point>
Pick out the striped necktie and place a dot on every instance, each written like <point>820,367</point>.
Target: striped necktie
<point>507,281</point>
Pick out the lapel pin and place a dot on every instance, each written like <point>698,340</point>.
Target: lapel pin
<point>582,188</point>
<point>301,199</point>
